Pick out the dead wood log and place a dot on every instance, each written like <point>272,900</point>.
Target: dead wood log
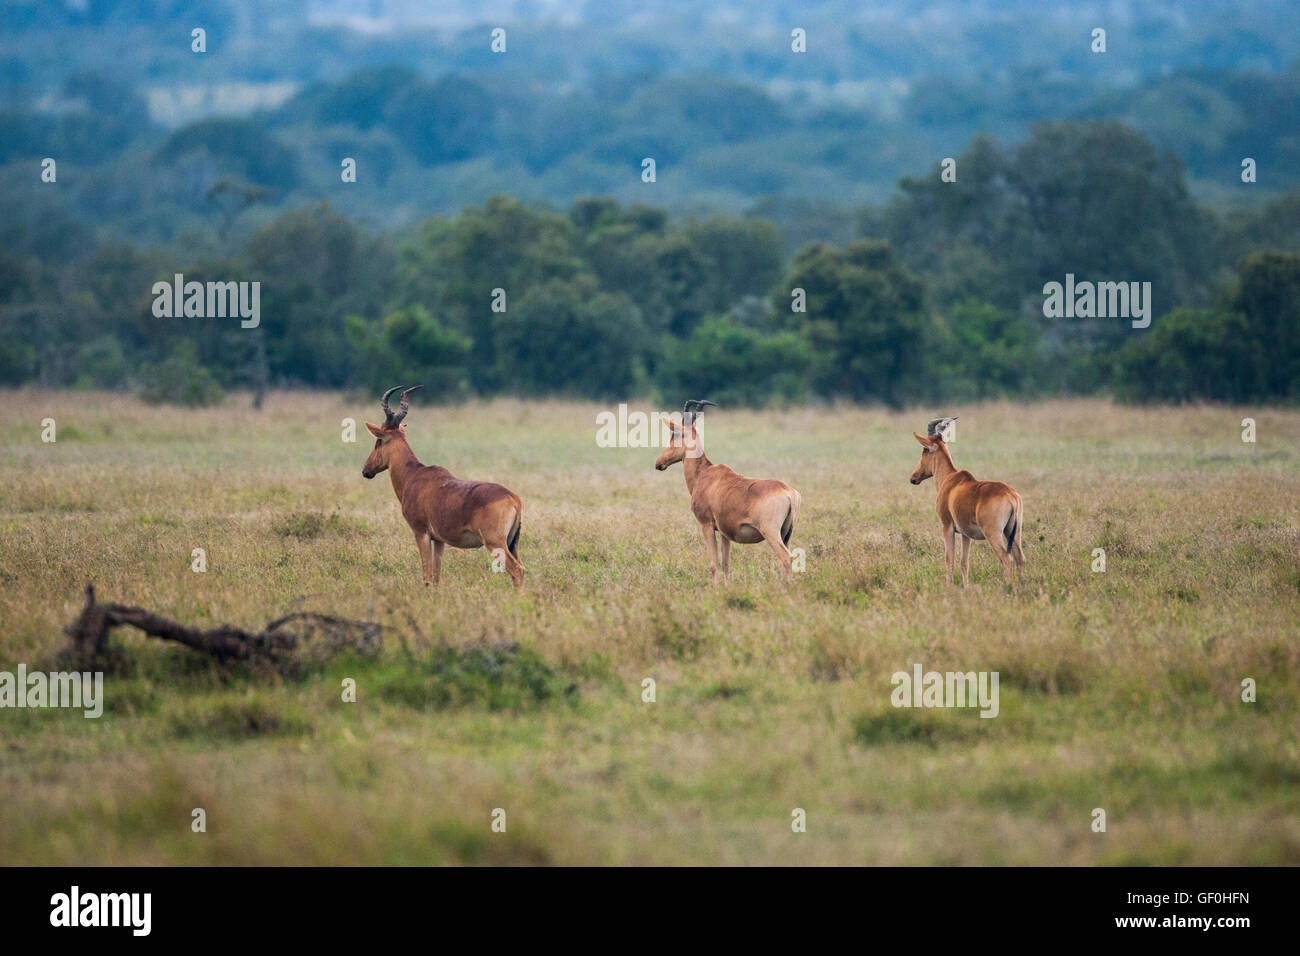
<point>285,643</point>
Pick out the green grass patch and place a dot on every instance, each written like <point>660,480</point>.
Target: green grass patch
<point>497,677</point>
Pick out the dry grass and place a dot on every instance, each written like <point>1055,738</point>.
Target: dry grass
<point>1119,690</point>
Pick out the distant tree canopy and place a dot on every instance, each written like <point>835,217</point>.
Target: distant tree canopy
<point>1245,348</point>
<point>199,155</point>
<point>941,298</point>
<point>427,144</point>
<point>1094,199</point>
<point>864,320</point>
<point>96,116</point>
<point>408,346</point>
<point>316,268</point>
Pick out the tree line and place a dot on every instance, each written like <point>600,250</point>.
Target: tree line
<point>936,295</point>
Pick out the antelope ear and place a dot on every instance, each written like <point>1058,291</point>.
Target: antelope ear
<point>375,430</point>
<point>923,440</point>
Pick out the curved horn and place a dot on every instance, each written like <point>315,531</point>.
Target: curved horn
<point>696,404</point>
<point>691,410</point>
<point>404,405</point>
<point>383,403</point>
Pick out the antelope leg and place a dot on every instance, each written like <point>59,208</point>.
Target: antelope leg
<point>437,560</point>
<point>711,546</point>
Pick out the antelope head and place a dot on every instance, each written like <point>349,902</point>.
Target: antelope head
<point>391,429</point>
<point>684,442</point>
<point>931,442</point>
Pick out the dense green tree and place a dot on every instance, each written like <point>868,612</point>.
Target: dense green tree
<point>742,257</point>
<point>1268,298</point>
<point>316,268</point>
<point>1245,348</point>
<point>1094,199</point>
<point>1188,354</point>
<point>1275,225</point>
<point>1101,202</point>
<point>980,351</point>
<point>409,347</point>
<point>737,365</point>
<point>667,276</point>
<point>19,284</point>
<point>568,337</point>
<point>970,235</point>
<point>864,320</point>
<point>455,264</point>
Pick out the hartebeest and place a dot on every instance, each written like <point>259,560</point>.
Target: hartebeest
<point>970,509</point>
<point>744,510</point>
<point>441,508</point>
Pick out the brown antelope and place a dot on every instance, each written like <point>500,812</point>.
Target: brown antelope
<point>968,509</point>
<point>441,508</point>
<point>744,510</point>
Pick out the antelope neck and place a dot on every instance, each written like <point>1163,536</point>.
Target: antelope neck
<point>943,468</point>
<point>693,468</point>
<point>400,458</point>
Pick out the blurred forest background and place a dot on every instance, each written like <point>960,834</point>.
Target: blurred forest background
<point>775,170</point>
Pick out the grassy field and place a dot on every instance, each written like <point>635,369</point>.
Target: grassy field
<point>1119,690</point>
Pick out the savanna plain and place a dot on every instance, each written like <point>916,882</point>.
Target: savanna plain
<point>1119,689</point>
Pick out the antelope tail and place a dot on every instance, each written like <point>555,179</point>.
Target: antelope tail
<point>787,525</point>
<point>1014,528</point>
<point>512,541</point>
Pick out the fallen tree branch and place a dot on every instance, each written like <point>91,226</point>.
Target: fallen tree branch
<point>284,643</point>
